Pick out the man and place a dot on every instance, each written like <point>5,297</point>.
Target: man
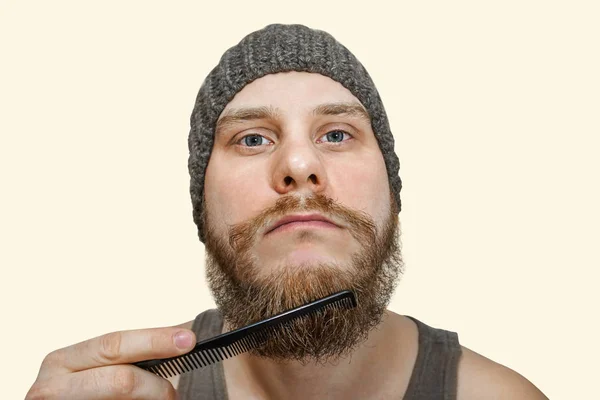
<point>296,195</point>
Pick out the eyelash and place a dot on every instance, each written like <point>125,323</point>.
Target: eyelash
<point>331,143</point>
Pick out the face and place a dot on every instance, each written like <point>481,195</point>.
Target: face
<point>297,143</point>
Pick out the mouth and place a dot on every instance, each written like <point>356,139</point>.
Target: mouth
<point>295,222</point>
<point>292,226</point>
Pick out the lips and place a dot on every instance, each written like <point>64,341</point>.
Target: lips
<point>299,218</point>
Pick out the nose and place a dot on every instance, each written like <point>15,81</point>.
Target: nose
<point>299,168</point>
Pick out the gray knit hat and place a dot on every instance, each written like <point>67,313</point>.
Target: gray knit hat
<point>280,48</point>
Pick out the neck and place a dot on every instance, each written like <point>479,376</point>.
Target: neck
<point>365,373</point>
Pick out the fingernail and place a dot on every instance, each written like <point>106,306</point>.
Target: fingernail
<point>183,340</point>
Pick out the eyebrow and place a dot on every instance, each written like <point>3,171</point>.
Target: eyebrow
<point>238,115</point>
<point>352,109</point>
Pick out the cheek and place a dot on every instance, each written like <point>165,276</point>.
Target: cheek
<point>363,186</point>
<point>232,192</point>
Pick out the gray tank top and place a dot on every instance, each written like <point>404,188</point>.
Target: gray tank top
<point>434,375</point>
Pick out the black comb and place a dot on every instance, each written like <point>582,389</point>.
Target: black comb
<point>241,340</point>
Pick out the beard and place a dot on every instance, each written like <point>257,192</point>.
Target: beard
<point>245,293</point>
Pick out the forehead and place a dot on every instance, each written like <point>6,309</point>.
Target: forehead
<point>291,91</point>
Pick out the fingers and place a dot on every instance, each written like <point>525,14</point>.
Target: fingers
<point>109,382</point>
<point>122,347</point>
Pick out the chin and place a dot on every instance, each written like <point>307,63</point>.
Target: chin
<point>309,257</point>
<point>303,260</point>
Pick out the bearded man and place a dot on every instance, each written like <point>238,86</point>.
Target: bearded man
<point>296,194</point>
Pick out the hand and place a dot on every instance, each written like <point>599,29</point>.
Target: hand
<point>98,368</point>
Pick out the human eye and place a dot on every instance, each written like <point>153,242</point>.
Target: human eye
<point>336,136</point>
<point>252,140</point>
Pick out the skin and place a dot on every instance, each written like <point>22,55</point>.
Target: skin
<point>295,158</point>
<point>91,369</point>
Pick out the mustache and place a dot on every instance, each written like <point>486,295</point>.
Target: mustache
<point>361,226</point>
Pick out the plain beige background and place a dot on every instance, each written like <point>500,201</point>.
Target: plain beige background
<point>495,110</point>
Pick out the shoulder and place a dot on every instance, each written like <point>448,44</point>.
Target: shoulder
<point>480,377</point>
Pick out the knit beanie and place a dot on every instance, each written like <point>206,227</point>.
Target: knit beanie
<point>273,49</point>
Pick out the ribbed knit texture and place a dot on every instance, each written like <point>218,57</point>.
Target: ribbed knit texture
<point>280,48</point>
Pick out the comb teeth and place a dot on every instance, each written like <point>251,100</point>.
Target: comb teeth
<point>202,358</point>
<point>239,341</point>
